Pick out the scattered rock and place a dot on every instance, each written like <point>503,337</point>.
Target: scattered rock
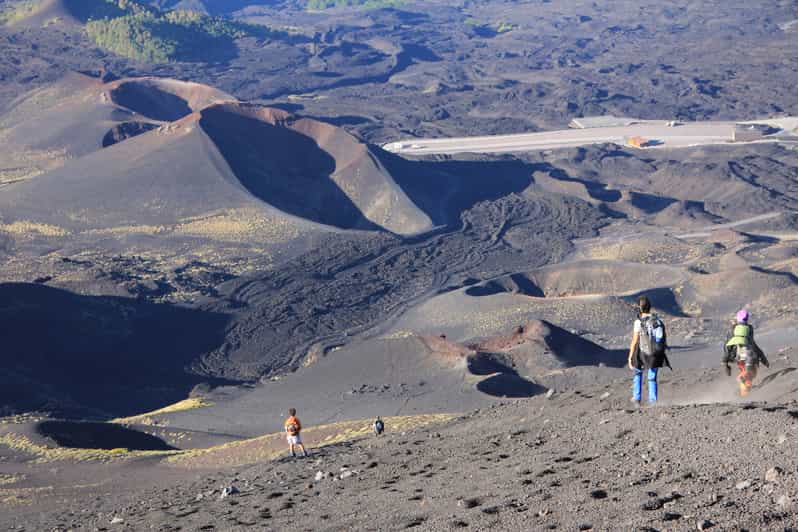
<point>671,516</point>
<point>706,524</point>
<point>782,439</point>
<point>346,474</point>
<point>605,395</point>
<point>784,501</point>
<point>773,474</point>
<point>598,494</point>
<point>320,475</point>
<point>117,521</point>
<point>550,393</point>
<point>469,503</point>
<point>229,490</point>
<point>653,504</point>
<point>743,485</point>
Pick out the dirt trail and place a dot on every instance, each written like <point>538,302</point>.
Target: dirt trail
<point>582,459</point>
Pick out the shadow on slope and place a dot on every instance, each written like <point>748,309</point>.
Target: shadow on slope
<point>444,189</point>
<point>517,283</point>
<point>662,299</point>
<point>65,352</point>
<point>540,345</point>
<point>85,435</point>
<point>163,99</point>
<point>150,101</point>
<point>283,168</point>
<point>504,380</point>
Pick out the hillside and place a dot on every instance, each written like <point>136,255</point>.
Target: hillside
<point>580,459</point>
<point>170,120</point>
<point>138,31</point>
<point>199,231</point>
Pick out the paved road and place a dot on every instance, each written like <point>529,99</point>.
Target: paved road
<point>661,135</point>
<point>708,231</point>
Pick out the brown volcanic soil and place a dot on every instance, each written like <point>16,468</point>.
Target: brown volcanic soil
<point>306,166</point>
<point>236,189</point>
<point>164,100</point>
<point>580,460</point>
<point>181,214</point>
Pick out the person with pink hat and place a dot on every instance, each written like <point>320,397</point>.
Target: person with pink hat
<point>741,348</point>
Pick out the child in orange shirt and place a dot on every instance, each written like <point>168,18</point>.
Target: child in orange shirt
<point>292,429</point>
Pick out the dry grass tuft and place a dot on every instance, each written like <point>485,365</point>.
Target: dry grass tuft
<point>26,228</point>
<point>272,446</point>
<point>46,454</point>
<point>146,418</point>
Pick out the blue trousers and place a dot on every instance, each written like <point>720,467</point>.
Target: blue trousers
<point>637,385</point>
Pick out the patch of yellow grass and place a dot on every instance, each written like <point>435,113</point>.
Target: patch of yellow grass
<point>272,446</point>
<point>310,97</point>
<point>46,454</point>
<point>129,230</point>
<point>15,500</point>
<point>24,228</point>
<point>398,335</point>
<point>146,418</point>
<point>19,12</point>
<point>239,225</point>
<point>19,496</point>
<point>6,479</point>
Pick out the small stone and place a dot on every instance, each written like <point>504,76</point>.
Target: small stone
<point>319,476</point>
<point>603,396</point>
<point>550,393</point>
<point>784,501</point>
<point>117,521</point>
<point>782,439</point>
<point>743,485</point>
<point>653,504</point>
<point>598,494</point>
<point>199,497</point>
<point>346,474</point>
<point>706,524</point>
<point>773,474</point>
<point>671,516</point>
<point>468,503</point>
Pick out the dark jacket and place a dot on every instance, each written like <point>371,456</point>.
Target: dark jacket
<point>730,351</point>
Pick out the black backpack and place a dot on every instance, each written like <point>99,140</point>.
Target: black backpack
<point>379,426</point>
<point>653,340</point>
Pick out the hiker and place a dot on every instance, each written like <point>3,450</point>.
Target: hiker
<point>740,347</point>
<point>292,431</point>
<point>647,351</point>
<point>379,426</point>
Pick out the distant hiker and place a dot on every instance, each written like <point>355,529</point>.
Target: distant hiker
<point>740,347</point>
<point>647,351</point>
<point>379,426</point>
<point>292,431</point>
